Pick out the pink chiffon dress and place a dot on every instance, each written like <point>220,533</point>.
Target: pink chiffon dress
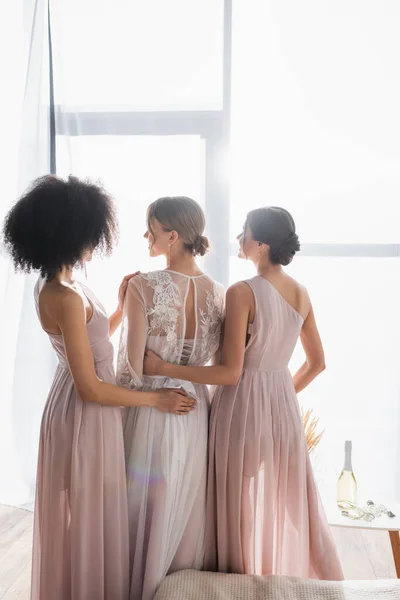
<point>80,545</point>
<point>264,512</point>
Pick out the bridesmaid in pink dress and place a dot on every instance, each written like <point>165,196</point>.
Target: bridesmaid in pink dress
<point>80,547</point>
<point>264,511</point>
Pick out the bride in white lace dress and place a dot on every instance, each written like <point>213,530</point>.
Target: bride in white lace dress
<point>177,313</point>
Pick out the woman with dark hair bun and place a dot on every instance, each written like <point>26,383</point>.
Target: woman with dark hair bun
<point>264,513</point>
<point>80,547</point>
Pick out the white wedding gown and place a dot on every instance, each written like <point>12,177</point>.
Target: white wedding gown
<point>166,455</point>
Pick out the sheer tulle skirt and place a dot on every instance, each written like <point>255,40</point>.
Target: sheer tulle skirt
<point>166,458</point>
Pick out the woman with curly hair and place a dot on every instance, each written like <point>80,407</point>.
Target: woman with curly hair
<point>264,514</point>
<point>80,548</point>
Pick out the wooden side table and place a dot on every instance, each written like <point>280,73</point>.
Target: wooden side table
<point>383,523</point>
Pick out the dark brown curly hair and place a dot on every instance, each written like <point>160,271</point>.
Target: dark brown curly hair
<point>56,221</point>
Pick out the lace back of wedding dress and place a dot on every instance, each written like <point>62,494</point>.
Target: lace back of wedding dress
<point>166,454</point>
<point>155,317</point>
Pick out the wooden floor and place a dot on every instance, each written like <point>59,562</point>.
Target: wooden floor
<point>15,553</point>
<point>364,554</point>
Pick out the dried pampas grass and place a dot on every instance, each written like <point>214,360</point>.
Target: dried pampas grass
<point>310,424</point>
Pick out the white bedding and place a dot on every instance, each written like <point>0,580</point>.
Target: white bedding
<point>195,585</point>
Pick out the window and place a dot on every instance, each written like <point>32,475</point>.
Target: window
<point>315,128</point>
<point>146,168</point>
<point>117,87</point>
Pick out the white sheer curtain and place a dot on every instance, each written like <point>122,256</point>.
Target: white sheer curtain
<point>25,357</point>
<point>316,128</point>
<point>139,104</point>
<point>143,101</point>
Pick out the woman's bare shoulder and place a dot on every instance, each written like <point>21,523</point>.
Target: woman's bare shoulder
<point>240,290</point>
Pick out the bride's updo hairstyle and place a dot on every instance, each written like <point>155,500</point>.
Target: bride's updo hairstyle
<point>186,217</point>
<point>275,227</point>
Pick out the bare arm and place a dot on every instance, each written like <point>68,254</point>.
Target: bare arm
<point>238,304</point>
<point>70,315</point>
<point>217,358</point>
<point>115,319</point>
<point>315,358</point>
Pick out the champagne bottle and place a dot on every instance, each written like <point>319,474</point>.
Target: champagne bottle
<point>347,484</point>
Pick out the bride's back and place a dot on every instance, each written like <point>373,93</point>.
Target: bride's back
<point>184,315</point>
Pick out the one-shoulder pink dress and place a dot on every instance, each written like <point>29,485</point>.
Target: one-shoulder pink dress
<point>264,511</point>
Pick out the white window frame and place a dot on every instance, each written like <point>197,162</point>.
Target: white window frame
<point>214,128</point>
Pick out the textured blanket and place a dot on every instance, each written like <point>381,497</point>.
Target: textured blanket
<point>194,585</point>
